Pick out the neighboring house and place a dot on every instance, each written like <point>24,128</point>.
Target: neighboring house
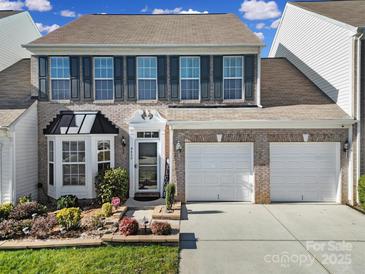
<point>325,40</point>
<point>16,28</point>
<point>18,134</point>
<point>144,91</point>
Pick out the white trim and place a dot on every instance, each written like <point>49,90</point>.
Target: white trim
<point>101,79</point>
<point>258,82</point>
<point>261,124</point>
<point>137,82</point>
<point>190,78</point>
<point>235,78</point>
<point>1,173</point>
<point>350,179</point>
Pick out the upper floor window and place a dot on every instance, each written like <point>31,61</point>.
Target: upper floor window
<point>147,78</point>
<point>104,80</point>
<point>232,77</point>
<point>190,78</point>
<point>60,78</point>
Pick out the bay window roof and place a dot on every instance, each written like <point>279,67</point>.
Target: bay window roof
<point>80,122</point>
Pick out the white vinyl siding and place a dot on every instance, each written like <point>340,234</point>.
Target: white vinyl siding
<point>190,78</point>
<point>15,31</point>
<point>147,78</point>
<point>104,78</point>
<point>219,171</point>
<point>321,49</point>
<point>6,162</point>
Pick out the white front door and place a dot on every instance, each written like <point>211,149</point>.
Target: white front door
<point>219,172</point>
<point>307,172</point>
<point>147,166</point>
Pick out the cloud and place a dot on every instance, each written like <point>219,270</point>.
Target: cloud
<point>11,5</point>
<point>145,9</point>
<point>260,35</point>
<point>47,29</point>
<point>68,13</point>
<point>178,10</point>
<point>38,5</point>
<point>260,25</point>
<point>259,10</point>
<point>275,24</point>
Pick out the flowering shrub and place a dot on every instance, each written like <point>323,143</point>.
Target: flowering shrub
<point>12,229</point>
<point>112,183</point>
<point>42,226</point>
<point>69,218</point>
<point>107,209</point>
<point>128,226</point>
<point>161,228</point>
<point>116,202</point>
<point>26,210</point>
<point>25,199</point>
<point>5,210</point>
<point>66,201</point>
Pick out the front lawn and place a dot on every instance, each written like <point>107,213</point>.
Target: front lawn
<point>111,259</point>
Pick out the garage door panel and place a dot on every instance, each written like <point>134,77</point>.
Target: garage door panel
<point>219,172</point>
<point>304,172</point>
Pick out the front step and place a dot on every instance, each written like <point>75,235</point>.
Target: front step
<point>146,196</point>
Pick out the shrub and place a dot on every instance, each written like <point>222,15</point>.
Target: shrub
<point>11,229</point>
<point>362,191</point>
<point>161,228</point>
<point>107,209</point>
<point>5,210</point>
<point>26,210</point>
<point>69,218</point>
<point>42,226</point>
<point>25,199</point>
<point>66,201</point>
<point>112,183</point>
<point>115,202</point>
<point>170,195</point>
<point>128,226</point>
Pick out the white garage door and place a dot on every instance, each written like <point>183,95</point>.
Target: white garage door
<point>219,172</point>
<point>304,171</point>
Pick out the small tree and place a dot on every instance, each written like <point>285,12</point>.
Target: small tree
<point>112,183</point>
<point>170,195</point>
<point>362,191</point>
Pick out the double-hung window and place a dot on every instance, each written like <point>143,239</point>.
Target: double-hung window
<point>147,78</point>
<point>51,163</point>
<point>233,77</point>
<point>60,78</point>
<point>104,80</point>
<point>103,155</point>
<point>73,162</point>
<point>190,78</point>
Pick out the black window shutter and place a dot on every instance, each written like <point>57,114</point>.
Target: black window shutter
<point>118,77</point>
<point>75,77</point>
<point>131,77</point>
<point>86,76</point>
<point>204,76</point>
<point>218,77</point>
<point>174,77</point>
<point>43,77</point>
<point>161,77</point>
<point>249,72</point>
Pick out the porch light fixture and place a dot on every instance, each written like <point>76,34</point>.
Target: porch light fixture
<point>178,147</point>
<point>124,143</point>
<point>219,138</point>
<point>305,137</point>
<point>346,146</point>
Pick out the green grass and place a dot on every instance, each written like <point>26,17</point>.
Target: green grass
<point>111,259</point>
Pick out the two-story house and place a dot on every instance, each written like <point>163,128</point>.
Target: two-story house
<point>325,41</point>
<point>18,112</point>
<point>190,91</point>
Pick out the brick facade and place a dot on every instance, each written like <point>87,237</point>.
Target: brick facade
<point>261,139</point>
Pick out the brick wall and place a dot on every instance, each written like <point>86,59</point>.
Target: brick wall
<point>261,139</point>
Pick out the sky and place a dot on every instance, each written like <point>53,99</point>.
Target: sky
<point>261,16</point>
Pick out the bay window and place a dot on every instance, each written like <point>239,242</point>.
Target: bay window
<point>147,78</point>
<point>190,78</point>
<point>60,78</point>
<point>233,77</point>
<point>73,162</point>
<point>104,78</point>
<point>51,163</point>
<point>103,155</point>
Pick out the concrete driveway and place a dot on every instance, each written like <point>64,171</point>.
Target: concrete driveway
<point>276,238</point>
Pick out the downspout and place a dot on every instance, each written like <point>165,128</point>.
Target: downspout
<point>258,80</point>
<point>358,112</point>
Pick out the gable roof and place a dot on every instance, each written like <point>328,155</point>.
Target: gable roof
<point>8,116</point>
<point>6,13</point>
<point>348,12</point>
<point>156,30</point>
